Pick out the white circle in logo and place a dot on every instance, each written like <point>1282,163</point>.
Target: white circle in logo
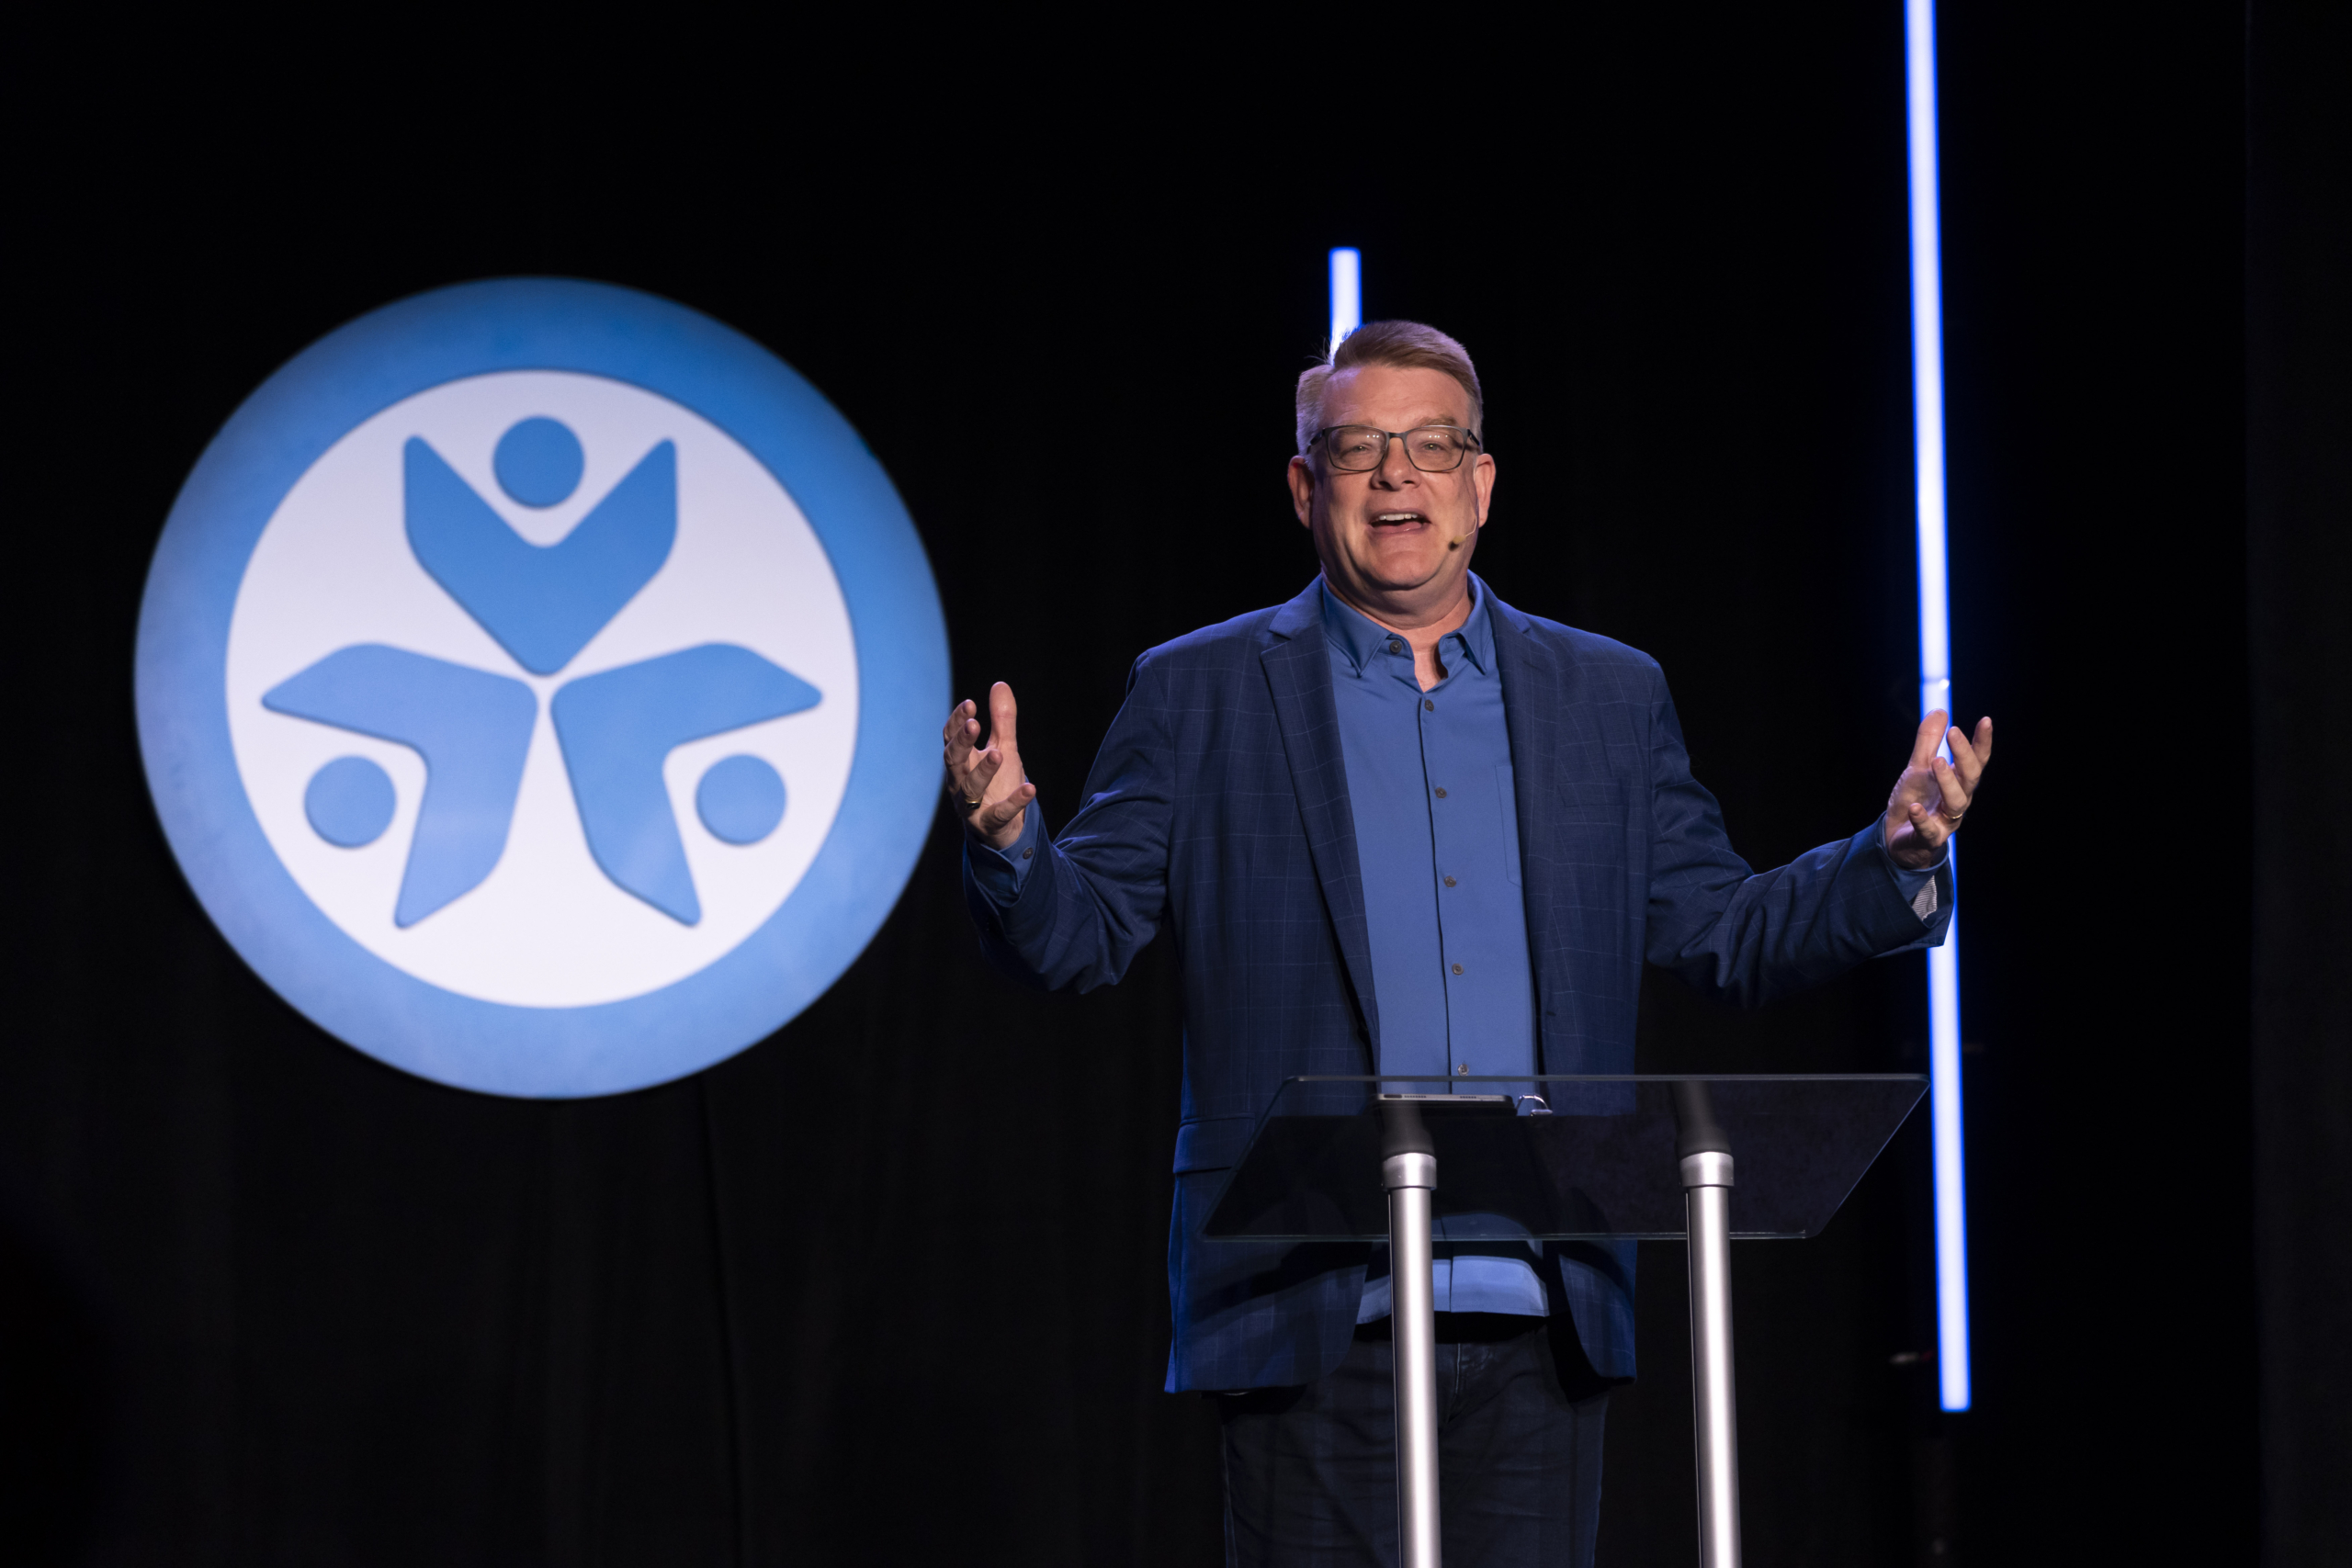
<point>383,619</point>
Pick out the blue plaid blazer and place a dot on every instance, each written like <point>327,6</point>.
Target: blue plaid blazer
<point>1218,808</point>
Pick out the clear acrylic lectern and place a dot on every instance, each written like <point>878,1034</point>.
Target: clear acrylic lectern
<point>1558,1158</point>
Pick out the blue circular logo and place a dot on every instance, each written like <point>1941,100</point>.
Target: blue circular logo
<point>535,682</point>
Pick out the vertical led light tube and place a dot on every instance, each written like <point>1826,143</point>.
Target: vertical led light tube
<point>1935,691</point>
<point>1347,292</point>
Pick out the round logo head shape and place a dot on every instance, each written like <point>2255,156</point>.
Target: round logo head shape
<point>522,678</point>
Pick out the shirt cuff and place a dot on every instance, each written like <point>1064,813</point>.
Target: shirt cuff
<point>1918,887</point>
<point>1001,872</point>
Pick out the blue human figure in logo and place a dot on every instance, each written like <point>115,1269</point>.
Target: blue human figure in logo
<point>473,730</point>
<point>615,728</point>
<point>543,603</point>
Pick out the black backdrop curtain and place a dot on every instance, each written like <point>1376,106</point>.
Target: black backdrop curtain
<point>888,1287</point>
<point>2298,607</point>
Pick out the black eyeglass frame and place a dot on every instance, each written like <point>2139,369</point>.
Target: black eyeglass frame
<point>1476,447</point>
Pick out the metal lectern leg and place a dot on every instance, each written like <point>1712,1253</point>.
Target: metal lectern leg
<point>1706,1188</point>
<point>1411,1179</point>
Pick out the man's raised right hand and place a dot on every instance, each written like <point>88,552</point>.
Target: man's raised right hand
<point>986,781</point>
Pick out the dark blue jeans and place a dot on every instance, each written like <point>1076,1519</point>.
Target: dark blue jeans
<point>1310,1474</point>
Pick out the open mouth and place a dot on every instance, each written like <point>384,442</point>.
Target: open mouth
<point>1396,519</point>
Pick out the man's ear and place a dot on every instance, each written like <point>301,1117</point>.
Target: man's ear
<point>1301,477</point>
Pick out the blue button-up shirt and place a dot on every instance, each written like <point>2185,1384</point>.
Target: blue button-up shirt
<point>1437,843</point>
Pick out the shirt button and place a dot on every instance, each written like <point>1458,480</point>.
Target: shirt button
<point>1427,706</point>
<point>1457,969</point>
<point>1026,853</point>
<point>1396,647</point>
<point>1441,794</point>
<point>1449,881</point>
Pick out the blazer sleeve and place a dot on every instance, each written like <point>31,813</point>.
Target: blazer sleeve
<point>1095,896</point>
<point>1748,936</point>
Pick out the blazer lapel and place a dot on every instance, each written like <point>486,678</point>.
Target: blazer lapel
<point>1298,672</point>
<point>1539,715</point>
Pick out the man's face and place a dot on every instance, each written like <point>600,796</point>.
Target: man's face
<point>1394,536</point>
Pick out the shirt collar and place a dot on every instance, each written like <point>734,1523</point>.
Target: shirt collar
<point>1363,640</point>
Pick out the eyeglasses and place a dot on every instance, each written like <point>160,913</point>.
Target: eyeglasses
<point>1359,448</point>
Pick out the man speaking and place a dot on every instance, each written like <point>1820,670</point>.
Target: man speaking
<point>1400,827</point>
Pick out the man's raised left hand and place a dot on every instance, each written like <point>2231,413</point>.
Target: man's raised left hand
<point>1933,794</point>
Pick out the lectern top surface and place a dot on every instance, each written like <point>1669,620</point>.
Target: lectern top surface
<point>1559,1156</point>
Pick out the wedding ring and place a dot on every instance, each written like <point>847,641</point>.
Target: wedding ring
<point>1948,817</point>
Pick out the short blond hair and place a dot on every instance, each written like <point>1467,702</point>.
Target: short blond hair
<point>1405,346</point>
